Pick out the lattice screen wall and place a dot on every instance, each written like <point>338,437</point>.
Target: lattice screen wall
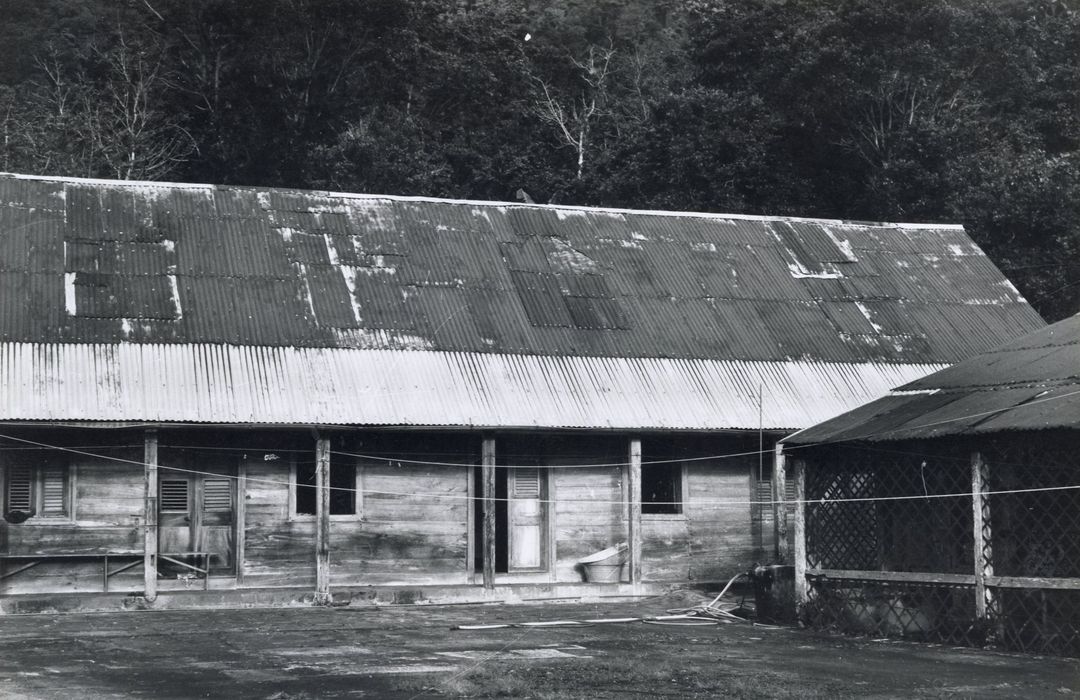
<point>891,542</point>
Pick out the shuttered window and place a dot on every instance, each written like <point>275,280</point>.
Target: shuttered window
<point>54,492</point>
<point>174,496</point>
<point>217,496</point>
<point>763,499</point>
<point>20,490</point>
<point>526,483</point>
<point>44,491</point>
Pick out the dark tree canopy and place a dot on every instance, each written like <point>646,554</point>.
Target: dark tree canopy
<point>913,110</point>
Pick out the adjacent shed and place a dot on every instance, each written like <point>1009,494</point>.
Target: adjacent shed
<point>950,508</point>
<point>244,388</point>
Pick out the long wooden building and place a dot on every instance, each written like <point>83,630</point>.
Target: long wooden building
<point>253,390</point>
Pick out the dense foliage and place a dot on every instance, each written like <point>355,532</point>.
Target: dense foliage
<point>910,110</point>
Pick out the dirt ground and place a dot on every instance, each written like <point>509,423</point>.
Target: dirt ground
<point>412,652</point>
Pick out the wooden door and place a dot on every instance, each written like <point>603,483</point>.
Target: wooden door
<point>527,519</point>
<point>197,513</point>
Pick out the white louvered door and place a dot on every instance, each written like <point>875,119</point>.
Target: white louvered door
<point>526,511</point>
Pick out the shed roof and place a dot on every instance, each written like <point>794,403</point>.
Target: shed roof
<point>1032,382</point>
<point>105,263</point>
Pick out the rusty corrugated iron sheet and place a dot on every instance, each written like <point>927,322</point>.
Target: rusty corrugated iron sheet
<point>1030,383</point>
<point>323,386</point>
<point>86,261</point>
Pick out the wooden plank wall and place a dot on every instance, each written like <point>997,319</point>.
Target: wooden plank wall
<point>415,527</point>
<point>716,535</point>
<point>278,550</point>
<point>589,515</point>
<point>108,517</point>
<point>412,529</point>
<point>586,510</point>
<point>708,541</point>
<point>721,537</point>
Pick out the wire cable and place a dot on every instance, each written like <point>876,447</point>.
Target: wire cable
<point>722,502</point>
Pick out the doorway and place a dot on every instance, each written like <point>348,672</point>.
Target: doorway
<point>521,519</point>
<point>197,513</point>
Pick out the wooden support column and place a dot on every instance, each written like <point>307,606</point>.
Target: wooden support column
<point>150,509</point>
<point>633,495</point>
<point>322,521</point>
<point>487,494</point>
<point>983,558</point>
<point>779,508</point>
<point>802,591</point>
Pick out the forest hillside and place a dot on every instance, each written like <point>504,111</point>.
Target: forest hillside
<point>910,110</point>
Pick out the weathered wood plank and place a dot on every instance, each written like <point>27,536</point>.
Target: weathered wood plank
<point>487,494</point>
<point>779,509</point>
<point>895,576</point>
<point>802,590</point>
<point>1059,584</point>
<point>150,543</point>
<point>322,521</point>
<point>634,534</point>
<point>984,565</point>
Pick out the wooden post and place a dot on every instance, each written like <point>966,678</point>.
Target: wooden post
<point>802,592</point>
<point>779,508</point>
<point>150,498</point>
<point>983,558</point>
<point>322,521</point>
<point>487,467</point>
<point>241,518</point>
<point>633,494</point>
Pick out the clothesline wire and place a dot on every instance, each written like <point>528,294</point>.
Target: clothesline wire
<point>465,496</point>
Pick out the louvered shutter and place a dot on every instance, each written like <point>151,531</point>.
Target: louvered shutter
<point>765,494</point>
<point>174,495</point>
<point>19,493</point>
<point>217,497</point>
<point>526,483</point>
<point>54,492</point>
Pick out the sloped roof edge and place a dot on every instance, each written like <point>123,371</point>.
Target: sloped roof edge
<point>1030,383</point>
<point>268,385</point>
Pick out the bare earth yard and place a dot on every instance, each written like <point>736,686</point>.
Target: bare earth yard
<point>411,651</point>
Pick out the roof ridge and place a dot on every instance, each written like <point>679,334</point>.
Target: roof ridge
<point>1000,386</point>
<point>482,202</point>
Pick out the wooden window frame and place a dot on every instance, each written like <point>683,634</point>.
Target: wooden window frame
<point>37,493</point>
<point>358,499</point>
<point>683,491</point>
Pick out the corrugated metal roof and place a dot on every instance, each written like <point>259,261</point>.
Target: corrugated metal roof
<point>1029,383</point>
<point>231,384</point>
<point>101,261</point>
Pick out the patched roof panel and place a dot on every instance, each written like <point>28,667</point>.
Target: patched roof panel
<point>85,261</point>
